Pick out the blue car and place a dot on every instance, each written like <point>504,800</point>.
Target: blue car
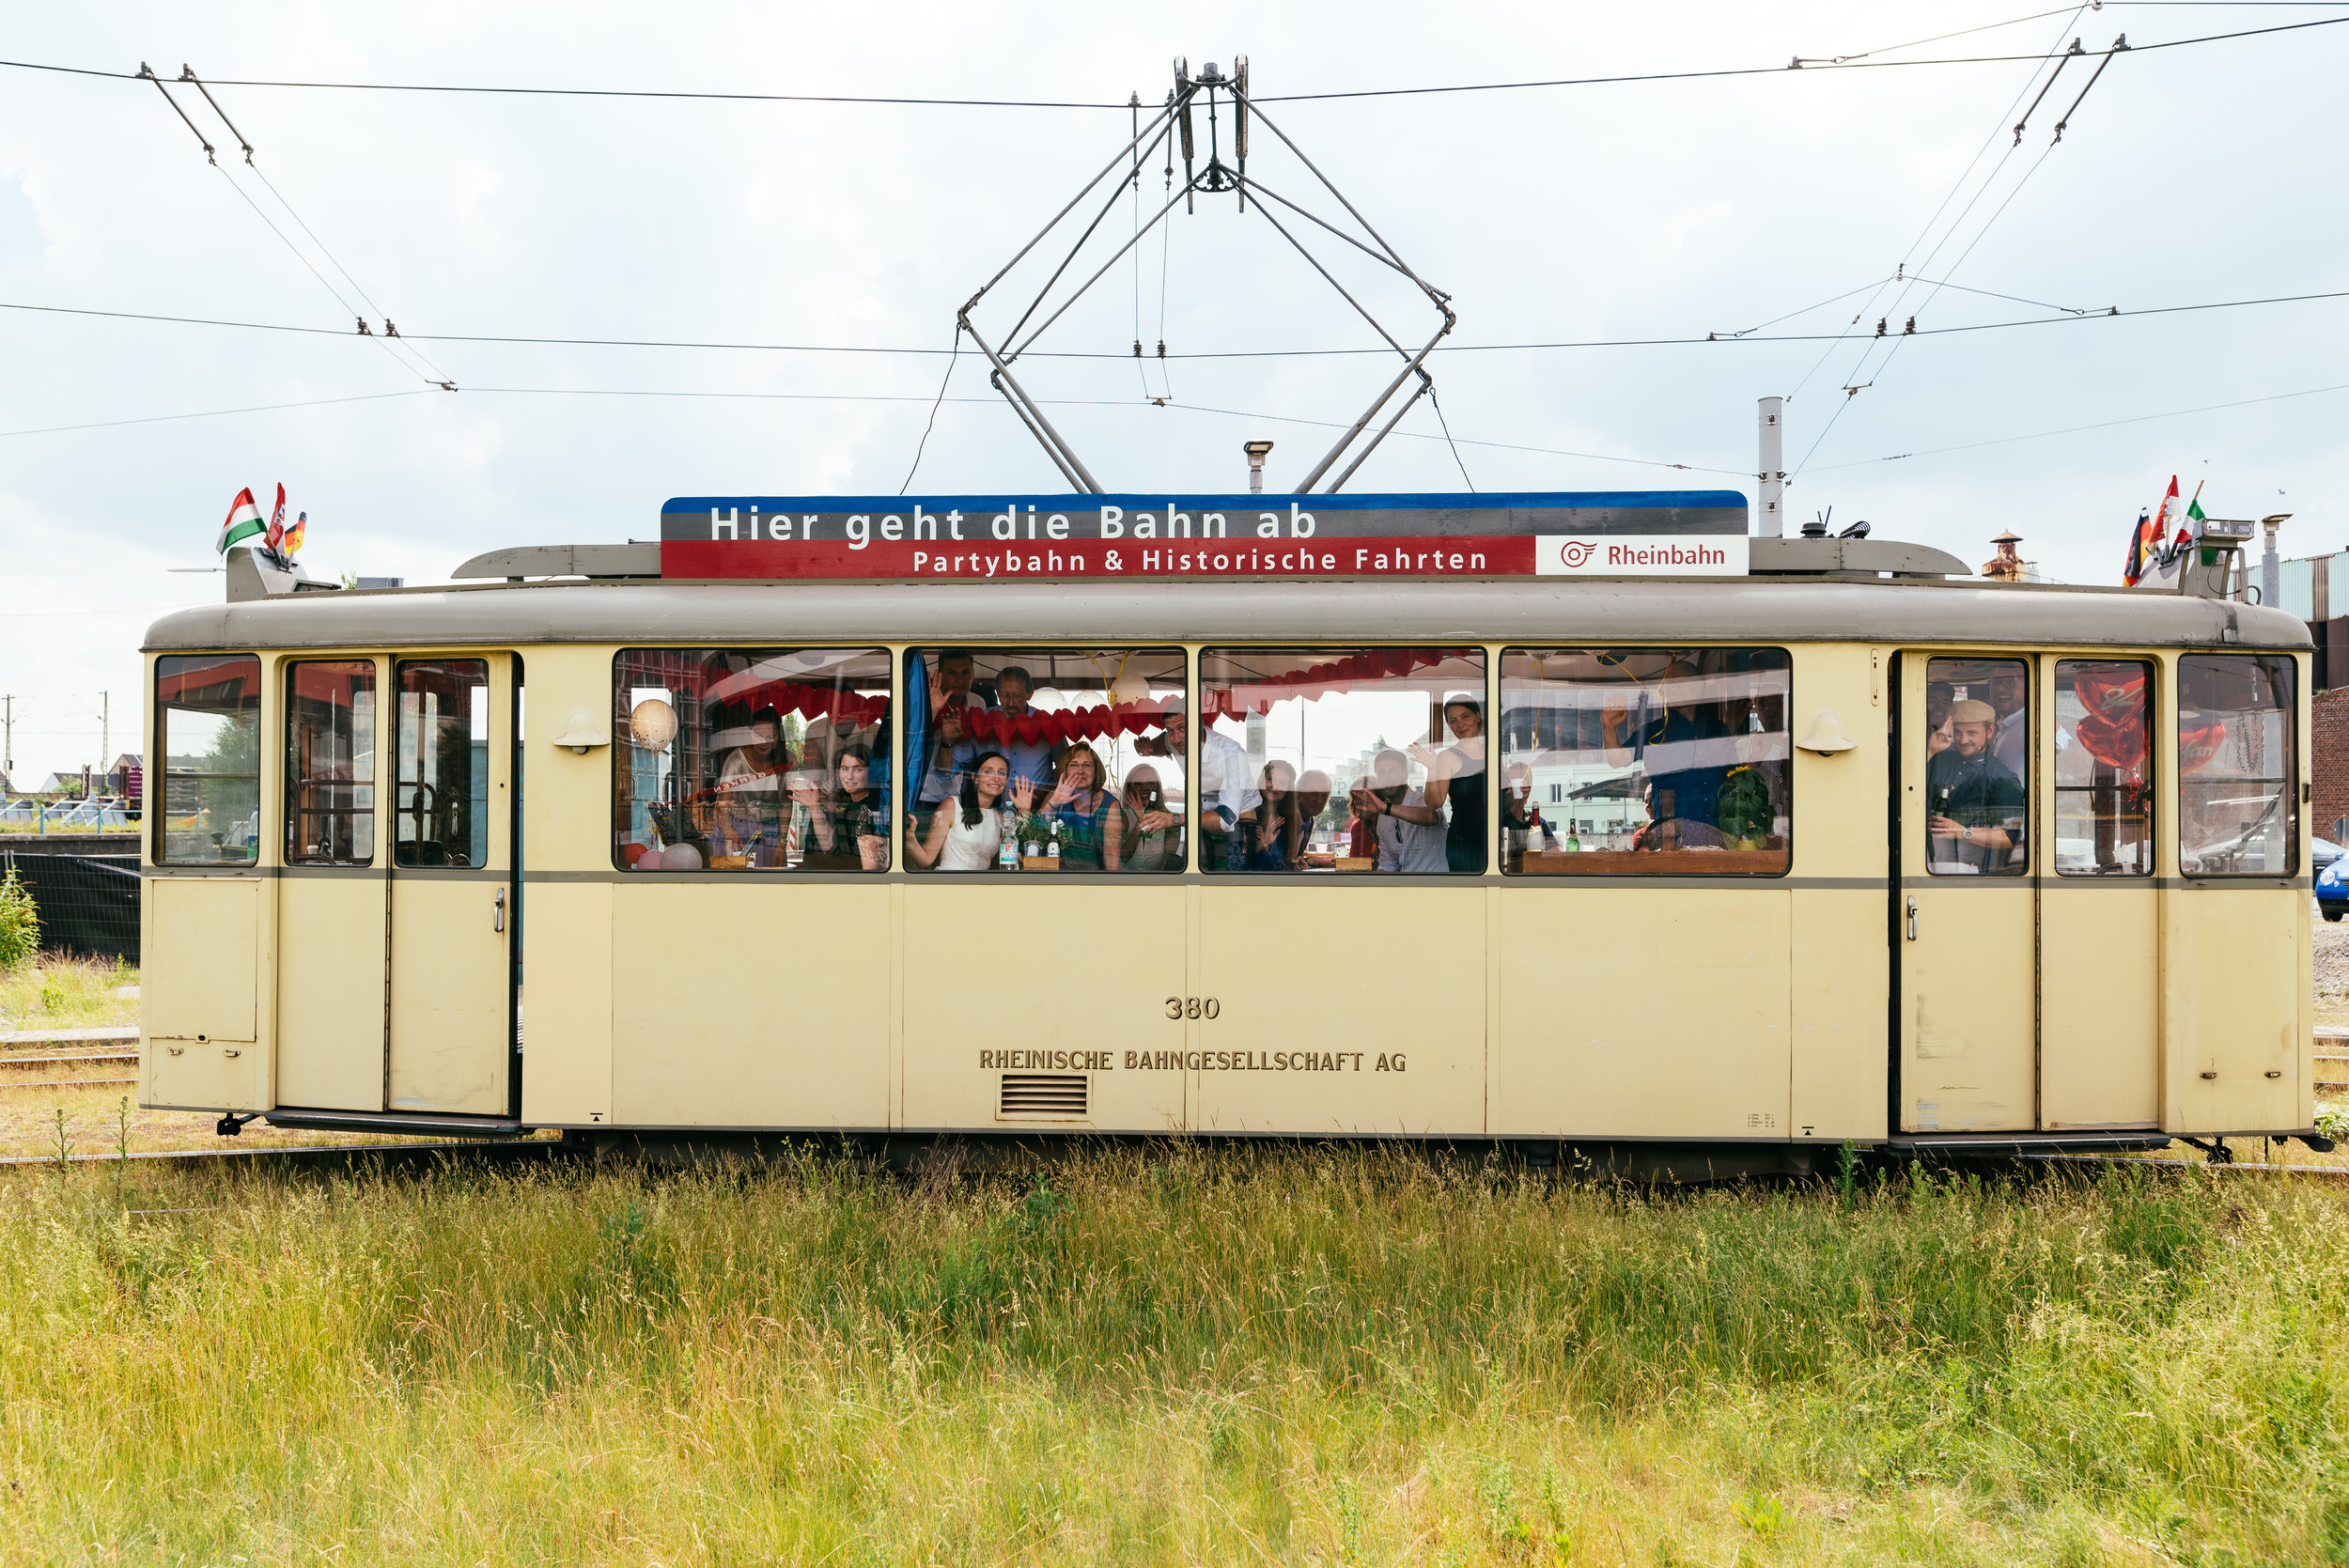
<point>2332,899</point>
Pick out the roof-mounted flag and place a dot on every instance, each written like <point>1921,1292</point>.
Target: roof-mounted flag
<point>2141,550</point>
<point>244,520</point>
<point>293,535</point>
<point>274,538</point>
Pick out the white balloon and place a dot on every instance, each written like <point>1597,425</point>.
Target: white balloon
<point>680,857</point>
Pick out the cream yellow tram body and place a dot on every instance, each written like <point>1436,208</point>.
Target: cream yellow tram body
<point>390,829</point>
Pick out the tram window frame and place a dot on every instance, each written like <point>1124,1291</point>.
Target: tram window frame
<point>353,798</point>
<point>1359,810</point>
<point>417,739</point>
<point>632,728</point>
<point>1767,664</point>
<point>1971,846</point>
<point>2196,673</point>
<point>1132,726</point>
<point>2147,803</point>
<point>244,717</point>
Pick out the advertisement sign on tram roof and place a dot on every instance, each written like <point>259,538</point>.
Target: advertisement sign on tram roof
<point>1195,536</point>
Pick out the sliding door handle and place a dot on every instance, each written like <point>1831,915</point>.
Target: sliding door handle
<point>497,913</point>
<point>1912,918</point>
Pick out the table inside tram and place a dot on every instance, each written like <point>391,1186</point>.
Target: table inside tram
<point>751,759</point>
<point>1336,760</point>
<point>1046,759</point>
<point>1645,761</point>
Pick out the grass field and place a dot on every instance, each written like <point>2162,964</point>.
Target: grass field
<point>1283,1356</point>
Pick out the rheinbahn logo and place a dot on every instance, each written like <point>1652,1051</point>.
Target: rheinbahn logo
<point>1640,555</point>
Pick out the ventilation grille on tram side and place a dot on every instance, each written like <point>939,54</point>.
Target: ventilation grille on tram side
<point>1044,1096</point>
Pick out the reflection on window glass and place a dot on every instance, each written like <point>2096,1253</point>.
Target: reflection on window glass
<point>2103,767</point>
<point>751,759</point>
<point>1045,759</point>
<point>1978,767</point>
<point>440,794</point>
<point>2238,810</point>
<point>1342,759</point>
<point>1642,761</point>
<point>330,763</point>
<point>207,721</point>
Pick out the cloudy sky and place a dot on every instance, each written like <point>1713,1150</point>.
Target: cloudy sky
<point>1658,210</point>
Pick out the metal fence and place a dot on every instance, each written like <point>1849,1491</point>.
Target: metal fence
<point>89,903</point>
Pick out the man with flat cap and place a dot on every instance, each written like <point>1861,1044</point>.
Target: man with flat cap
<point>1972,795</point>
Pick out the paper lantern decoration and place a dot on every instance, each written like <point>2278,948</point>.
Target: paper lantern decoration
<point>653,723</point>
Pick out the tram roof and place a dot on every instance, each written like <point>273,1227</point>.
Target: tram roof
<point>1751,609</point>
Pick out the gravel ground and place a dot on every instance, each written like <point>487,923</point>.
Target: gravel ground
<point>2332,960</point>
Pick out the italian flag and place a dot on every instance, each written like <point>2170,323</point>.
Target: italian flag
<point>244,520</point>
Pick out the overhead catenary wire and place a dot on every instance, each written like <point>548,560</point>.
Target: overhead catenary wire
<point>2070,315</point>
<point>1852,63</point>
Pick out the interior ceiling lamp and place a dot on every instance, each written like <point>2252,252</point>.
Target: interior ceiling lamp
<point>1179,119</point>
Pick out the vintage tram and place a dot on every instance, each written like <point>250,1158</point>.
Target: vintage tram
<point>1714,864</point>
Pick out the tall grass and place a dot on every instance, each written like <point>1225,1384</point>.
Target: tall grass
<point>1216,1357</point>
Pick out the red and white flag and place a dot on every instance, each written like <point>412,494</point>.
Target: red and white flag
<point>276,534</point>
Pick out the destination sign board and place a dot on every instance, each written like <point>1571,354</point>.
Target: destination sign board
<point>1190,538</point>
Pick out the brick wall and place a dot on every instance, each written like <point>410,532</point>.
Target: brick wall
<point>2329,764</point>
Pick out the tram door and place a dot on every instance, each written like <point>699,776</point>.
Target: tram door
<point>450,1045</point>
<point>1967,910</point>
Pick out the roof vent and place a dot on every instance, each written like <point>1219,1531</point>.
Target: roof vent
<point>1043,1097</point>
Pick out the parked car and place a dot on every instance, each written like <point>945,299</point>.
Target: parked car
<point>2322,852</point>
<point>2332,899</point>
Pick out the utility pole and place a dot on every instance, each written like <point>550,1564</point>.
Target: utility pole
<point>1771,521</point>
<point>7,739</point>
<point>105,734</point>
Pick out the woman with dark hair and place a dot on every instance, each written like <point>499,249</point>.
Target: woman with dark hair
<point>1276,829</point>
<point>966,833</point>
<point>1456,777</point>
<point>845,832</point>
<point>1084,813</point>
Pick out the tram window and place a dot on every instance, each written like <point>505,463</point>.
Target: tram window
<point>1342,759</point>
<point>2103,775</point>
<point>208,731</point>
<point>1658,761</point>
<point>1045,759</point>
<point>1978,767</point>
<point>751,759</point>
<point>441,790</point>
<point>330,762</point>
<point>2238,806</point>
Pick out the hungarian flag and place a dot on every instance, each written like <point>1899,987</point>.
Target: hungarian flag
<point>2187,534</point>
<point>244,520</point>
<point>293,535</point>
<point>275,537</point>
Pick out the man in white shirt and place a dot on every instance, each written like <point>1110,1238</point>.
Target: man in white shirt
<point>1227,788</point>
<point>1410,831</point>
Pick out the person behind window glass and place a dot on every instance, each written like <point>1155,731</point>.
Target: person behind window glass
<point>748,818</point>
<point>1149,835</point>
<point>844,832</point>
<point>2010,744</point>
<point>1686,796</point>
<point>1313,798</point>
<point>1224,795</point>
<point>1939,695</point>
<point>942,780</point>
<point>1970,793</point>
<point>966,833</point>
<point>1084,812</point>
<point>1031,761</point>
<point>1410,833</point>
<point>1456,777</point>
<point>1274,832</point>
<point>953,685</point>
